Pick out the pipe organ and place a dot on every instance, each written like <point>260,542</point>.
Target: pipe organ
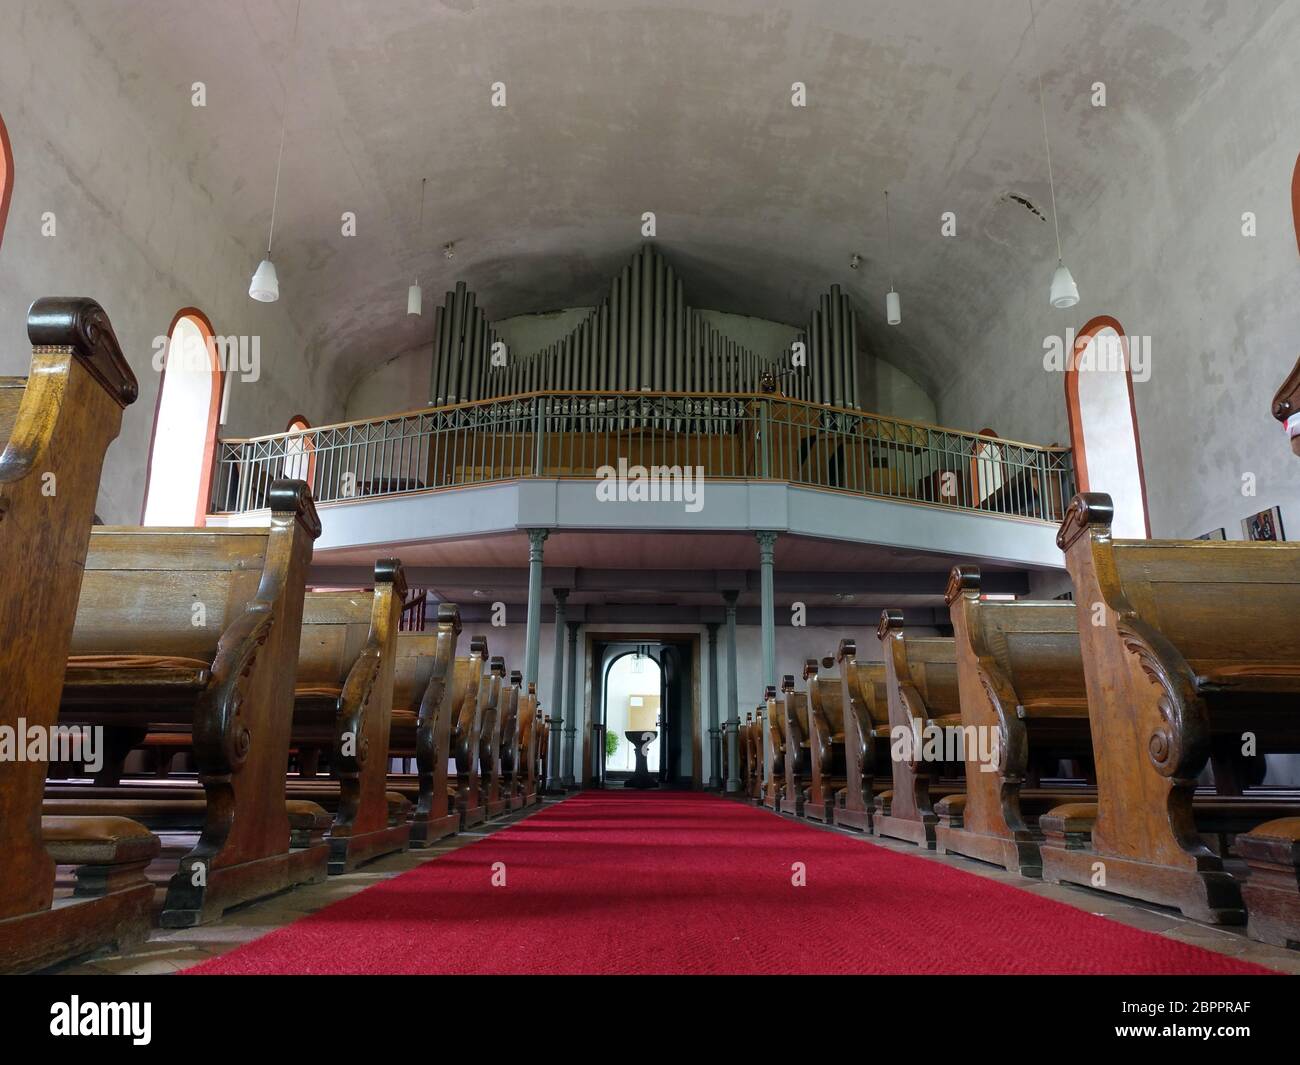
<point>643,336</point>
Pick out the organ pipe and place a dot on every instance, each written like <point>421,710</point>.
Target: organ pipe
<point>643,335</point>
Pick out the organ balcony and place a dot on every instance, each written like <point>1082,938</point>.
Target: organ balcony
<point>763,461</point>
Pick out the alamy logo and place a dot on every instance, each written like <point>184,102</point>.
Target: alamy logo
<point>79,1018</point>
<point>947,743</point>
<point>651,484</point>
<point>21,742</point>
<point>201,354</point>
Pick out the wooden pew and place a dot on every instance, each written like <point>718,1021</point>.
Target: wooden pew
<point>866,736</point>
<point>921,687</point>
<point>199,629</point>
<point>1272,850</point>
<point>344,692</point>
<point>464,739</point>
<point>55,426</point>
<point>1023,703</point>
<point>771,745</point>
<point>1199,644</point>
<point>749,763</point>
<point>529,736</point>
<point>543,747</point>
<point>427,677</point>
<point>826,757</point>
<point>794,705</point>
<point>511,777</point>
<point>489,744</point>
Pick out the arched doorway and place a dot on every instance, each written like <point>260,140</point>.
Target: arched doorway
<point>185,425</point>
<point>1103,424</point>
<point>633,694</point>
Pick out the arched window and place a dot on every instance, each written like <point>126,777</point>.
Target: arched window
<point>299,451</point>
<point>6,176</point>
<point>185,425</point>
<point>987,468</point>
<point>1103,424</point>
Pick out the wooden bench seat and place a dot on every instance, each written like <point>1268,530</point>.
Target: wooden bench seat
<point>55,426</point>
<point>826,739</point>
<point>1180,617</point>
<point>922,693</point>
<point>428,677</point>
<point>511,777</point>
<point>794,720</point>
<point>489,743</point>
<point>866,721</point>
<point>1023,705</point>
<point>771,741</point>
<point>232,598</point>
<point>463,739</point>
<point>343,693</point>
<point>530,738</point>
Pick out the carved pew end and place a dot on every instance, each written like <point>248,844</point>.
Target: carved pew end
<point>1272,894</point>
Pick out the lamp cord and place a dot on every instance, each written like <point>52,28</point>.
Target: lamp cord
<point>284,121</point>
<point>1047,144</point>
<point>889,243</point>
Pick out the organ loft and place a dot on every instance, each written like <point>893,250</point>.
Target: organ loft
<point>608,490</point>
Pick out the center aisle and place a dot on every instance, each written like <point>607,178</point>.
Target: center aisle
<point>620,882</point>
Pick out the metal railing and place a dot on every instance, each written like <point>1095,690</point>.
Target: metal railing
<point>587,434</point>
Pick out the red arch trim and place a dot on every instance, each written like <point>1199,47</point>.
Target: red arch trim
<point>1085,335</point>
<point>1295,201</point>
<point>6,176</point>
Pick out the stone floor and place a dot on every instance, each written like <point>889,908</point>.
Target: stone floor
<point>170,950</point>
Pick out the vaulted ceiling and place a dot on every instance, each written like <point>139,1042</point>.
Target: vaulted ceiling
<point>615,108</point>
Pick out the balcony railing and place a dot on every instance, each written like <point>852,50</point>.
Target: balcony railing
<point>576,434</point>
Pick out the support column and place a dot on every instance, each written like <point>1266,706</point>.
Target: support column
<point>715,738</point>
<point>553,772</point>
<point>533,629</point>
<point>767,585</point>
<point>567,780</point>
<point>733,707</point>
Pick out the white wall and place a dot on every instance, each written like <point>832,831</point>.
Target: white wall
<point>1161,249</point>
<point>135,230</point>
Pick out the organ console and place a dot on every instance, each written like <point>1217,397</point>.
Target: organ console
<point>644,336</point>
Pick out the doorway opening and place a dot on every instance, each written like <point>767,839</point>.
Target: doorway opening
<point>633,703</point>
<point>644,691</point>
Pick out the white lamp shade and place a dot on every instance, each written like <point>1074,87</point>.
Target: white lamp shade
<point>893,308</point>
<point>265,286</point>
<point>414,299</point>
<point>1065,293</point>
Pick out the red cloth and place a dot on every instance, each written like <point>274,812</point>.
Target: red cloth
<point>659,882</point>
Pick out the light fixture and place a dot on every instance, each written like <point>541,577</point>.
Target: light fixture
<point>1064,292</point>
<point>265,286</point>
<point>893,305</point>
<point>414,295</point>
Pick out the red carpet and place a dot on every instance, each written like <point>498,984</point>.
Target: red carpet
<point>619,882</point>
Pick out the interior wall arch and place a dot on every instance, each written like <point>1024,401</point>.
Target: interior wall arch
<point>1104,436</point>
<point>183,442</point>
